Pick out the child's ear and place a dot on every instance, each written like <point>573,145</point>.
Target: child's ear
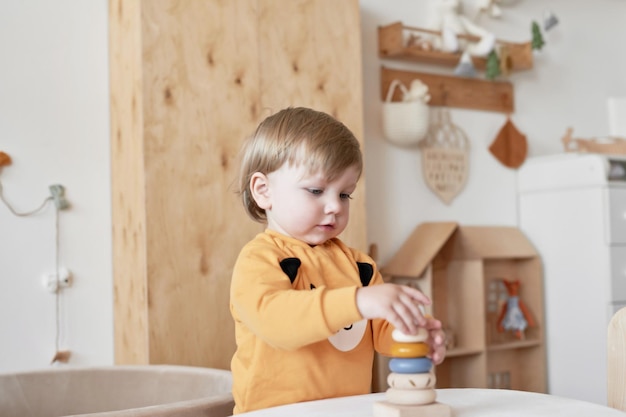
<point>260,190</point>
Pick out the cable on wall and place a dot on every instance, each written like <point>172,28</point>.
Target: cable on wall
<point>57,283</point>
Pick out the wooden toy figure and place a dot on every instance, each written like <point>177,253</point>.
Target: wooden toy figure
<point>514,315</point>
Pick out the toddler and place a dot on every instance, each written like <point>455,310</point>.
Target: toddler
<point>309,311</point>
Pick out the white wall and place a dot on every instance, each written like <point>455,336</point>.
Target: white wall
<point>54,122</point>
<point>580,66</point>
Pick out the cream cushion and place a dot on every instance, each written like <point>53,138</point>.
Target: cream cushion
<point>121,391</point>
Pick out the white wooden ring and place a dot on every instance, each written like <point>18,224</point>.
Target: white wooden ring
<point>410,396</point>
<point>420,337</point>
<point>411,381</point>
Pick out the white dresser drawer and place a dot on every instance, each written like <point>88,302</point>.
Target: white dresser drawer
<point>615,224</point>
<point>618,274</point>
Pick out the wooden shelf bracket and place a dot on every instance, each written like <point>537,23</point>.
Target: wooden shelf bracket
<point>451,91</point>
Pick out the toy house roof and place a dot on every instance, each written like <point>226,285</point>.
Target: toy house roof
<point>453,241</point>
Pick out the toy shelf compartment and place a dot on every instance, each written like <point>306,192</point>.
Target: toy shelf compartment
<point>468,297</point>
<point>528,272</point>
<point>393,44</point>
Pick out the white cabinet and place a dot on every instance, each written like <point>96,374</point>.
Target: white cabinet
<point>573,209</point>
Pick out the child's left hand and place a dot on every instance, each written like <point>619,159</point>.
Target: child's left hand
<point>436,340</point>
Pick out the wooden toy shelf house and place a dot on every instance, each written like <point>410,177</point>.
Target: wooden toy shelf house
<point>461,268</point>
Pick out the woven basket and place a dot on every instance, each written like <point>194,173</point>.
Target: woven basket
<point>405,123</point>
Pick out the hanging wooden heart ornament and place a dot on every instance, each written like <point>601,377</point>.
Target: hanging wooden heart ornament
<point>445,157</point>
<point>510,146</point>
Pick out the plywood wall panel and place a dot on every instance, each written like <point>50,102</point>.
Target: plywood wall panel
<point>201,74</point>
<point>200,102</point>
<point>127,183</point>
<point>311,56</point>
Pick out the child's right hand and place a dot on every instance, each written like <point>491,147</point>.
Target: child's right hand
<point>398,304</point>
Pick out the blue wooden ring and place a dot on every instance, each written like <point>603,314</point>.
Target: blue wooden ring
<point>410,365</point>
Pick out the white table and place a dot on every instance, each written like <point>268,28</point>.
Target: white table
<point>465,402</point>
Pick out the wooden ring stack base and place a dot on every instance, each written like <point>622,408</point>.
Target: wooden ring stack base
<point>411,391</point>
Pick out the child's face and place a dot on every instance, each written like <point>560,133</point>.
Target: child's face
<point>307,207</point>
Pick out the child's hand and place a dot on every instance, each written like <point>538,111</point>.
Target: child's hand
<point>398,304</point>
<point>436,340</point>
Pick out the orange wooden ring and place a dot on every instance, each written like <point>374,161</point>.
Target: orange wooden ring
<point>409,350</point>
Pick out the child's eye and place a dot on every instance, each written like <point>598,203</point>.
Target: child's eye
<point>345,196</point>
<point>315,191</point>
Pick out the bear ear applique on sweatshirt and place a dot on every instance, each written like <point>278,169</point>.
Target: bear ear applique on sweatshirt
<point>349,337</point>
<point>290,267</point>
<point>366,272</point>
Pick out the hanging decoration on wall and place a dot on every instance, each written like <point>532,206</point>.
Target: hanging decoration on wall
<point>405,122</point>
<point>549,20</point>
<point>509,146</point>
<point>494,67</point>
<point>5,159</point>
<point>537,38</point>
<point>466,66</point>
<point>445,157</point>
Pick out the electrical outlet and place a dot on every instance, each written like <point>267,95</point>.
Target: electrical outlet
<point>51,284</point>
<point>57,191</point>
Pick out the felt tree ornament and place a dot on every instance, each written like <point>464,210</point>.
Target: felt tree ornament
<point>466,66</point>
<point>492,69</point>
<point>514,316</point>
<point>537,38</point>
<point>509,146</point>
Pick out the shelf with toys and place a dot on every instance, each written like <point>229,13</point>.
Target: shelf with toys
<point>410,43</point>
<point>486,284</point>
<point>473,51</point>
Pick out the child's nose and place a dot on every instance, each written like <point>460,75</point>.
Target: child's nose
<point>333,205</point>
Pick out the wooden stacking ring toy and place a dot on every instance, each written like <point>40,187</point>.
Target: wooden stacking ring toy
<point>419,337</point>
<point>409,350</point>
<point>410,365</point>
<point>411,381</point>
<point>412,397</point>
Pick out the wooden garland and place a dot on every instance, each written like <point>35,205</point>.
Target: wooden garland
<point>445,157</point>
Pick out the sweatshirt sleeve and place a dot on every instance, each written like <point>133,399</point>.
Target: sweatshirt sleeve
<point>263,300</point>
<point>381,329</point>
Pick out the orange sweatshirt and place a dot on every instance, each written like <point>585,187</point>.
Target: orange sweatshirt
<point>300,336</point>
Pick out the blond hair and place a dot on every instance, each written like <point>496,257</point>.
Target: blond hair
<point>297,135</point>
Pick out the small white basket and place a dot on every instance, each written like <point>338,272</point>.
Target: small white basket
<point>405,123</point>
